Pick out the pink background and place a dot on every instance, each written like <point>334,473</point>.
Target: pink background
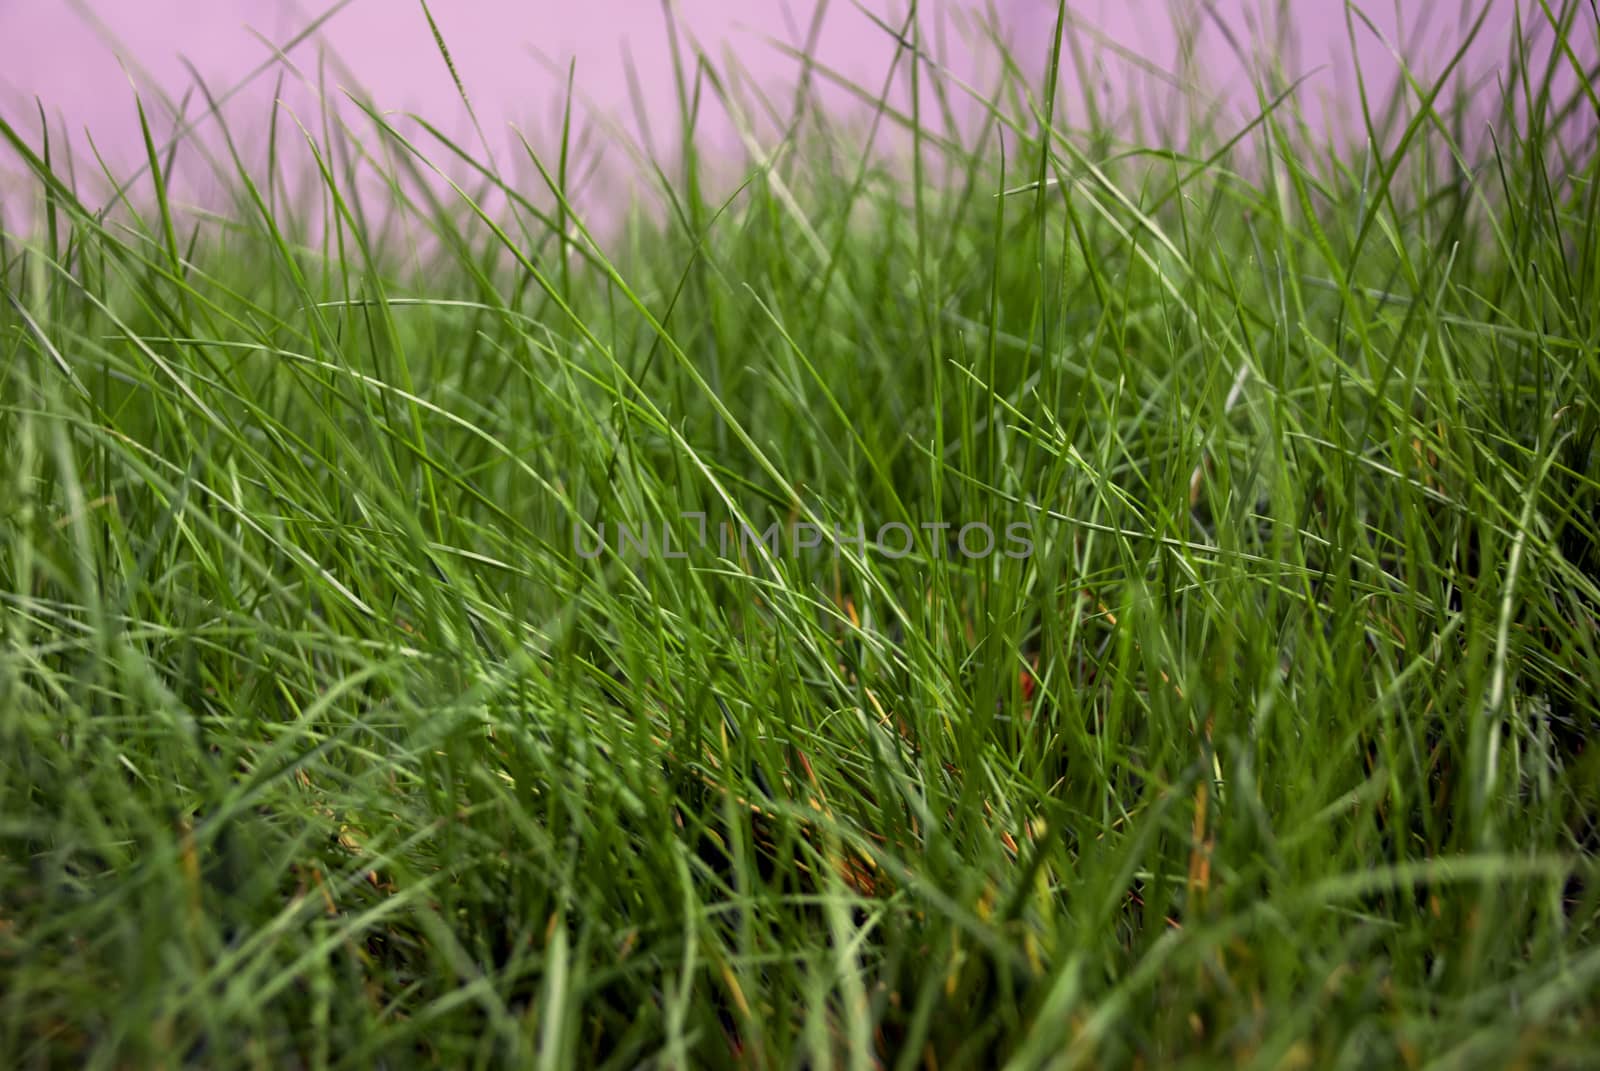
<point>79,56</point>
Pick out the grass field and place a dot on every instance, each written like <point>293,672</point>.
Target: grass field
<point>345,722</point>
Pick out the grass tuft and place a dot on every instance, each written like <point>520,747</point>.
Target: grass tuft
<point>328,741</point>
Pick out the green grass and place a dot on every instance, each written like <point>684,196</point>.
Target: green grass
<point>321,744</point>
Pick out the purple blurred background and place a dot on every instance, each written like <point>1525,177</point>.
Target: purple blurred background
<point>78,57</point>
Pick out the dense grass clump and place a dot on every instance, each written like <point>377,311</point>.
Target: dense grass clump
<point>328,739</point>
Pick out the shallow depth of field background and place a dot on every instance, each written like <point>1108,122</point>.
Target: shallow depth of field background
<point>79,59</point>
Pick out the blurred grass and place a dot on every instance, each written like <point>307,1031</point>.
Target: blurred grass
<point>324,745</point>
